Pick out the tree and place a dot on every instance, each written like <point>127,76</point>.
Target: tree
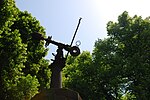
<point>76,74</point>
<point>118,68</point>
<point>22,64</point>
<point>90,78</point>
<point>124,57</point>
<point>133,37</point>
<point>109,69</point>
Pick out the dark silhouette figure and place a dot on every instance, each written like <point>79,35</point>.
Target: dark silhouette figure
<point>59,61</point>
<point>56,68</point>
<point>57,92</point>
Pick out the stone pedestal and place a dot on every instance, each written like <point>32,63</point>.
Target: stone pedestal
<point>57,94</point>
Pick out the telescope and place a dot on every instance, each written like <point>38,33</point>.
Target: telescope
<point>73,50</point>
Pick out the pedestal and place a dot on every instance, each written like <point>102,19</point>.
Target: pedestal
<point>57,94</point>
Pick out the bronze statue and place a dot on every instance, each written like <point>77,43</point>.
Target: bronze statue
<point>56,68</point>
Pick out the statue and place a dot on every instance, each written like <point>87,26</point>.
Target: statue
<point>56,68</point>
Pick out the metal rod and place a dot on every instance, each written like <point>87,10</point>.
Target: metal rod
<point>74,34</point>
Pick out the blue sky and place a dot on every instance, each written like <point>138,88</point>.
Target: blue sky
<point>60,17</point>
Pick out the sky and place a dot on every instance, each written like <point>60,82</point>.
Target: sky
<point>60,18</point>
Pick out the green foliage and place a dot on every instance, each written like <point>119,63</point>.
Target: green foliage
<point>134,35</point>
<point>26,87</point>
<point>128,96</point>
<point>76,74</point>
<point>118,68</point>
<point>108,69</point>
<point>23,69</point>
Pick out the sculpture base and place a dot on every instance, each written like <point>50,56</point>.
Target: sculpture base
<point>57,94</point>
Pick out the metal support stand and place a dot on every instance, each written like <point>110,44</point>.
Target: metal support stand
<point>56,68</point>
